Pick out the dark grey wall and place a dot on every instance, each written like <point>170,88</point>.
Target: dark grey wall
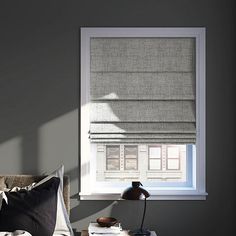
<point>39,101</point>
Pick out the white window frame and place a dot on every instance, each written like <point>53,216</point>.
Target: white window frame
<point>88,190</point>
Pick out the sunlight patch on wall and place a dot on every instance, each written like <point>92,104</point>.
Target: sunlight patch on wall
<point>58,141</point>
<point>10,156</point>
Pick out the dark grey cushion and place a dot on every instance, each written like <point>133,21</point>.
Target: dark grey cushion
<point>33,211</point>
<point>25,180</point>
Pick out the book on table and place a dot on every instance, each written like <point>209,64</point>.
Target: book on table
<point>95,230</point>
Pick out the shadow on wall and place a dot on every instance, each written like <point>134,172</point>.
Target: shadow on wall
<point>82,211</point>
<point>38,83</point>
<point>88,211</point>
<point>39,108</point>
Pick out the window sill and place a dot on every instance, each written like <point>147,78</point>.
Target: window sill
<point>179,196</point>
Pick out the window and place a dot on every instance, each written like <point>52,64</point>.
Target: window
<point>131,157</point>
<point>155,157</point>
<point>173,157</point>
<point>143,111</point>
<point>113,157</point>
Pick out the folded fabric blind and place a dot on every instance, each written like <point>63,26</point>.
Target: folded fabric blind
<point>142,90</point>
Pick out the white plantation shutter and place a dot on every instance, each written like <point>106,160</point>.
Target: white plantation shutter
<point>142,90</point>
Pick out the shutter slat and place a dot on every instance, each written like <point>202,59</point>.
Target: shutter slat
<point>160,127</point>
<point>152,86</point>
<point>145,55</point>
<point>142,136</point>
<point>143,111</point>
<point>161,141</point>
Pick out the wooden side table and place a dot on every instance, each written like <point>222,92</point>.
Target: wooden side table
<point>123,233</point>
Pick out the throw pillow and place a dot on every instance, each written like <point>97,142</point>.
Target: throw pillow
<point>34,211</point>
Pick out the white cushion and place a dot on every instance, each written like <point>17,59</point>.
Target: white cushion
<point>63,225</point>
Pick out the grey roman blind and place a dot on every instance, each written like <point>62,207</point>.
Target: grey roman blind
<point>142,90</point>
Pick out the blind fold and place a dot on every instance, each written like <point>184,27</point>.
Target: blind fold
<point>142,90</point>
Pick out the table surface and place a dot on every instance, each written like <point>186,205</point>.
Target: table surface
<point>123,233</point>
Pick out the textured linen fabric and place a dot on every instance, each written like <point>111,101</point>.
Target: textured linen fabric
<point>142,54</point>
<point>2,183</point>
<point>135,86</point>
<point>148,128</point>
<point>145,111</point>
<point>142,90</point>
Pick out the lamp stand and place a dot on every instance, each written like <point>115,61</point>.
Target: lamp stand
<point>142,231</point>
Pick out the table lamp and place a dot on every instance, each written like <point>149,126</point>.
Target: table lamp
<point>137,193</point>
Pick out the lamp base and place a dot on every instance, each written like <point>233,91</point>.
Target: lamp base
<point>140,232</point>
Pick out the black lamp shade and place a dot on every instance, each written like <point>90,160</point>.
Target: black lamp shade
<point>135,192</point>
